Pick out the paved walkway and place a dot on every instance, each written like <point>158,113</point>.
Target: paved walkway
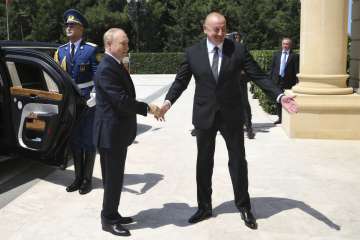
<point>300,189</point>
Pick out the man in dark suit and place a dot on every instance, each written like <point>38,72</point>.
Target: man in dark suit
<point>284,67</point>
<point>115,125</point>
<point>216,64</point>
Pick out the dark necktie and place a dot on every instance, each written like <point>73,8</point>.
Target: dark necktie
<point>72,52</point>
<point>215,63</point>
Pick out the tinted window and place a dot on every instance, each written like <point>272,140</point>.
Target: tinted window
<point>31,76</point>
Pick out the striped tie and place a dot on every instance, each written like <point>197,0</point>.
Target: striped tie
<point>215,64</point>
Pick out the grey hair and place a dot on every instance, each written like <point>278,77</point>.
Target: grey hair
<point>109,35</point>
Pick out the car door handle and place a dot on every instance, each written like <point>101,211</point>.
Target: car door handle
<point>34,97</point>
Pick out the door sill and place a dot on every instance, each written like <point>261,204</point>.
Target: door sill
<point>4,158</point>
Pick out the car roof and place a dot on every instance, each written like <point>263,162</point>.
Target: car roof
<point>6,44</point>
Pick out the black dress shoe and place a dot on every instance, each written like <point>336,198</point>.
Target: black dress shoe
<point>250,134</point>
<point>193,132</point>
<point>63,166</point>
<point>200,215</point>
<point>126,220</point>
<point>74,186</point>
<point>277,121</point>
<point>85,187</point>
<point>116,229</point>
<point>248,218</point>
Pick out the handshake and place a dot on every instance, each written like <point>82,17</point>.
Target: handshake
<point>159,112</point>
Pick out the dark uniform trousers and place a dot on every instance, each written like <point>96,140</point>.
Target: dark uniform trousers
<point>234,139</point>
<point>112,162</point>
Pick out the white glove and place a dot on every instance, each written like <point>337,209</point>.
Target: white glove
<point>92,100</point>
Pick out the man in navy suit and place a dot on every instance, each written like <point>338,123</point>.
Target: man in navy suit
<point>78,58</point>
<point>284,67</point>
<point>216,64</point>
<point>115,125</point>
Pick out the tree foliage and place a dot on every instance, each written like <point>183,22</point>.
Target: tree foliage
<point>164,25</point>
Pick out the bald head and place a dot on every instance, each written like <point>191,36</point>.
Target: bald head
<point>116,43</point>
<point>214,17</point>
<point>215,28</point>
<point>109,35</point>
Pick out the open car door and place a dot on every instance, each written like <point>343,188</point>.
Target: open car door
<point>43,102</point>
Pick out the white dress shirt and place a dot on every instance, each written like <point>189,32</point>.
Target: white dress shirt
<point>77,43</point>
<point>211,51</point>
<point>283,60</point>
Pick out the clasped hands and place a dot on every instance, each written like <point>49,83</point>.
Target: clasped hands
<point>287,102</point>
<point>159,112</point>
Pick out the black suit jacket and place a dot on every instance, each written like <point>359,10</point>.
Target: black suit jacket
<point>223,95</point>
<point>291,69</point>
<point>116,106</point>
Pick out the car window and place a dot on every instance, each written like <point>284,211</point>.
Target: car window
<point>13,74</point>
<point>51,85</point>
<point>31,76</point>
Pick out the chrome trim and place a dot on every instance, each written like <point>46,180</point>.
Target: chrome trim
<point>36,108</point>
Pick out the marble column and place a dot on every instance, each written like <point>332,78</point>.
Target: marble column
<point>355,45</point>
<point>328,108</point>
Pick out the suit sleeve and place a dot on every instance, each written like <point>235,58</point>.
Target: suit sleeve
<point>272,67</point>
<point>181,82</point>
<point>258,76</point>
<point>115,93</point>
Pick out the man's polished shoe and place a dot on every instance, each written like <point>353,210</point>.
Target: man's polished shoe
<point>248,218</point>
<point>277,121</point>
<point>74,186</point>
<point>193,132</point>
<point>250,133</point>
<point>116,229</point>
<point>85,187</point>
<point>200,215</point>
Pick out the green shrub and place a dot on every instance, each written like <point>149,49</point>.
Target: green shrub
<point>168,63</point>
<point>263,58</point>
<point>155,63</point>
<point>265,102</point>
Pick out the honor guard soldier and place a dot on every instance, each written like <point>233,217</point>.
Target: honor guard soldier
<point>78,58</point>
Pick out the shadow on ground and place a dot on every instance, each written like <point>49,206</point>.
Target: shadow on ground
<point>19,175</point>
<point>264,207</point>
<point>142,128</point>
<point>257,127</point>
<point>262,127</point>
<point>149,180</point>
<point>32,172</point>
